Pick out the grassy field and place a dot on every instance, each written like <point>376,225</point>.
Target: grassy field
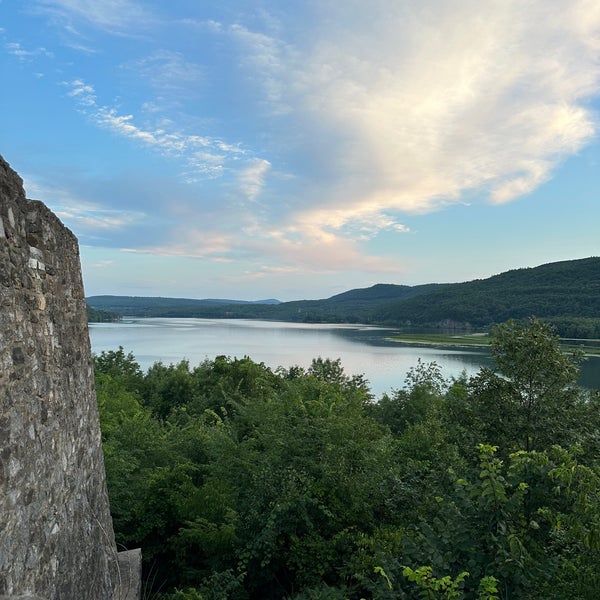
<point>481,340</point>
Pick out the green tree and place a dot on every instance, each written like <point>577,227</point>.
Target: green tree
<point>120,366</point>
<point>416,403</point>
<point>530,399</point>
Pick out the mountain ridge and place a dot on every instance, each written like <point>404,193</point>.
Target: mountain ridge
<point>555,291</point>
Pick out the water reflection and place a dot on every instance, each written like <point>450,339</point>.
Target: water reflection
<point>362,349</point>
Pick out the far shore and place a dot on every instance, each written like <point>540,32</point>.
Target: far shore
<point>481,341</point>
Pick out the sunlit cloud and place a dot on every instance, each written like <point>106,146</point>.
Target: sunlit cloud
<point>415,108</point>
<point>430,104</point>
<point>327,253</point>
<point>197,244</point>
<point>288,251</point>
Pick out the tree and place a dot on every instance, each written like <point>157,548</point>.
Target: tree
<point>530,399</point>
<point>120,366</point>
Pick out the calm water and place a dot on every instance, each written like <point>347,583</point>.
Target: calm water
<point>361,349</point>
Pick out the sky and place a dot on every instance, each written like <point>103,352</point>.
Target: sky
<point>261,149</point>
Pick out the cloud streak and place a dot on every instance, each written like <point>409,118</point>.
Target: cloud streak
<point>114,16</point>
<point>16,49</point>
<point>204,156</point>
<point>89,219</point>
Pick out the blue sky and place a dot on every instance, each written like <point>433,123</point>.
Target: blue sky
<point>263,149</point>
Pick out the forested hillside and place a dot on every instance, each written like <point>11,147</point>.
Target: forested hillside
<point>555,290</point>
<point>567,294</point>
<point>242,483</point>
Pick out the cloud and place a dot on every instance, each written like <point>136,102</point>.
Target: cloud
<point>193,243</point>
<point>287,249</point>
<point>269,270</point>
<point>169,73</point>
<point>88,218</point>
<point>91,218</point>
<point>326,253</point>
<point>418,105</point>
<point>103,264</point>
<point>114,16</point>
<point>252,177</point>
<point>397,109</point>
<point>268,57</point>
<point>16,49</point>
<point>204,156</point>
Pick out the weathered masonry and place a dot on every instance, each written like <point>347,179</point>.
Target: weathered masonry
<point>56,535</point>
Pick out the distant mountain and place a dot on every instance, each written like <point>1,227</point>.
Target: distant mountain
<point>566,293</point>
<point>159,306</point>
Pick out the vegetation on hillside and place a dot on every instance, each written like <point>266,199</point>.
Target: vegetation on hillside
<point>242,483</point>
<point>565,294</point>
<point>555,292</point>
<point>95,315</point>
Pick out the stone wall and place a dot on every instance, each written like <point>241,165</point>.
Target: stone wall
<point>56,536</point>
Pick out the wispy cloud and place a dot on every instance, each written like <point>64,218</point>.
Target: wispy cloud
<point>267,57</point>
<point>321,252</point>
<point>252,177</point>
<point>324,254</point>
<point>16,49</point>
<point>88,218</point>
<point>204,156</point>
<point>93,218</point>
<point>103,264</point>
<point>193,243</point>
<point>115,16</point>
<point>170,74</point>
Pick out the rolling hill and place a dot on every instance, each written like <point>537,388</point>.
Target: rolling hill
<point>566,293</point>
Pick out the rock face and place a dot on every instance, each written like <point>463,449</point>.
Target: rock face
<point>56,535</point>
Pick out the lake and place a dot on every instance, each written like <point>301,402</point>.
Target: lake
<point>362,349</point>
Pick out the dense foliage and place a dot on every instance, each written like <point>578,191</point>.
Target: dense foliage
<point>565,294</point>
<point>240,482</point>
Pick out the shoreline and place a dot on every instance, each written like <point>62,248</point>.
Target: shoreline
<point>480,341</point>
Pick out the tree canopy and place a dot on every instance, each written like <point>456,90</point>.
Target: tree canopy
<point>244,483</point>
